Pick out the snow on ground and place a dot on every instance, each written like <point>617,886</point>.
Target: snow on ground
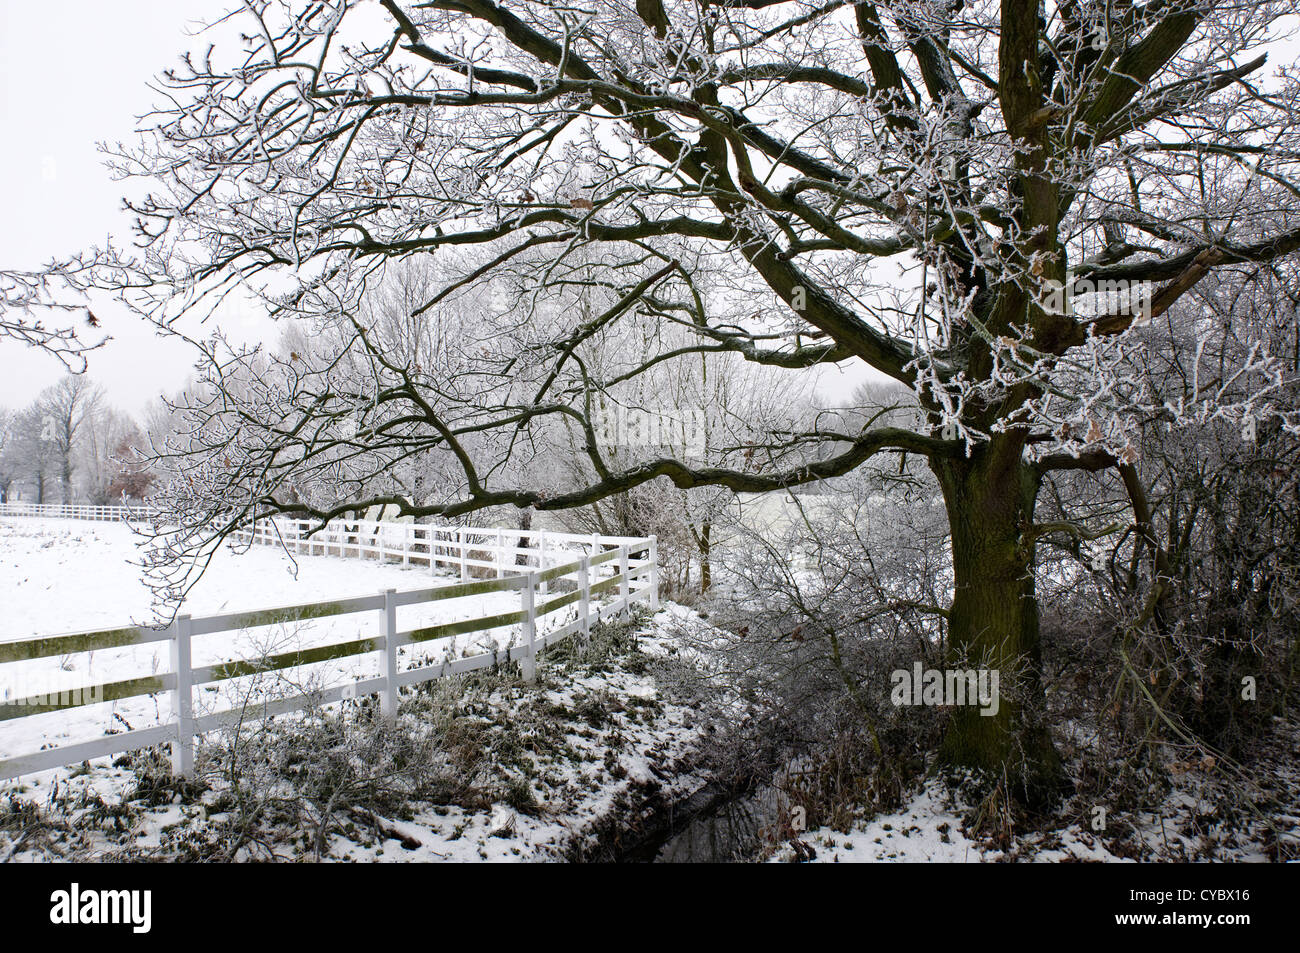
<point>60,576</point>
<point>925,829</point>
<point>558,770</point>
<point>548,764</point>
<point>929,828</point>
<point>1205,816</point>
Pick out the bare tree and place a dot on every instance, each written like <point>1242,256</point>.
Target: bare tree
<point>105,452</point>
<point>64,409</point>
<point>32,450</point>
<point>981,201</point>
<point>9,466</point>
<point>1199,582</point>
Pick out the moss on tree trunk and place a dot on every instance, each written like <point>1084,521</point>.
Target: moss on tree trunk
<point>993,621</point>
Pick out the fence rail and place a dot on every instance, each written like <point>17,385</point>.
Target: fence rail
<point>608,573</point>
<point>78,511</point>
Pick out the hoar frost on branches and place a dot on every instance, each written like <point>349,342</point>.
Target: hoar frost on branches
<point>895,184</point>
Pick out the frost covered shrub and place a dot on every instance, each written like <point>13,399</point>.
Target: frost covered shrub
<point>817,612</point>
<point>314,772</point>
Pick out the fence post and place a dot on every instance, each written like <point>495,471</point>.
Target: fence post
<point>183,746</point>
<point>654,573</point>
<point>541,559</point>
<point>501,553</point>
<point>625,583</point>
<point>388,697</point>
<point>464,566</point>
<point>584,594</point>
<point>528,605</point>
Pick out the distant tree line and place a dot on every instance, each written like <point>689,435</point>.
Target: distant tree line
<point>70,445</point>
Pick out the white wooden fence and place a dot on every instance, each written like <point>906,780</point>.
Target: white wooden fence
<point>608,574</point>
<point>76,511</point>
<point>472,551</point>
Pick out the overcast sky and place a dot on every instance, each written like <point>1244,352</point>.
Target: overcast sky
<point>74,73</point>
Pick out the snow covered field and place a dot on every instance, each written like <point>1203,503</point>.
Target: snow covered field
<point>542,772</point>
<point>66,575</point>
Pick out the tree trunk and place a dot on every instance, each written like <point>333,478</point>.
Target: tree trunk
<point>706,556</point>
<point>993,621</point>
<point>525,523</point>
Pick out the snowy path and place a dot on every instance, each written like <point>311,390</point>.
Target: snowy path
<point>66,575</point>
